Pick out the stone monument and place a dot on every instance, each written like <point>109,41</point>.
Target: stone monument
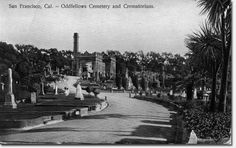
<point>33,97</point>
<point>195,94</point>
<point>2,94</point>
<point>10,98</point>
<point>193,138</point>
<point>78,94</point>
<point>171,92</point>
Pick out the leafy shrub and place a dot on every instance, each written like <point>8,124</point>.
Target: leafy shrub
<point>96,92</point>
<point>141,93</point>
<point>197,105</point>
<point>118,81</point>
<point>147,93</point>
<point>89,89</point>
<point>143,84</point>
<point>135,81</point>
<point>207,124</point>
<point>171,97</point>
<point>60,91</point>
<point>32,88</point>
<point>48,88</point>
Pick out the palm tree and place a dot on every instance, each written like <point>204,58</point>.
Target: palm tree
<point>219,15</point>
<point>205,48</point>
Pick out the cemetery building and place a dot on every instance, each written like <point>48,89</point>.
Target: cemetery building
<point>93,66</point>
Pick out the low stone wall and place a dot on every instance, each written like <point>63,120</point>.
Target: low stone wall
<point>26,123</point>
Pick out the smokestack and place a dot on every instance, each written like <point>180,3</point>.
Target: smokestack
<point>76,60</point>
<point>76,43</point>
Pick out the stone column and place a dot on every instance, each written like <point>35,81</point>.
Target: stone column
<point>195,94</point>
<point>56,89</point>
<point>171,92</point>
<point>10,98</point>
<point>33,97</point>
<point>42,88</point>
<point>2,86</point>
<point>2,92</point>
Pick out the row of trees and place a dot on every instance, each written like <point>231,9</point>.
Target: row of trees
<point>164,64</point>
<point>29,62</point>
<point>28,59</point>
<point>151,61</point>
<point>210,48</point>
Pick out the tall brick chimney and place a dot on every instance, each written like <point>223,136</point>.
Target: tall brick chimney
<point>75,68</point>
<point>76,43</point>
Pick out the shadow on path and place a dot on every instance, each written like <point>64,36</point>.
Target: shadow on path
<point>158,133</point>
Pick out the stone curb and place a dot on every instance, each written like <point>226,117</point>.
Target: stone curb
<point>50,119</point>
<point>21,124</point>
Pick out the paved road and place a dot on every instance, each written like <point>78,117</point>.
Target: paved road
<point>126,120</point>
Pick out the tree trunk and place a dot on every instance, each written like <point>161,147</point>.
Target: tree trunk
<point>224,76</point>
<point>223,87</point>
<point>189,91</point>
<point>213,90</point>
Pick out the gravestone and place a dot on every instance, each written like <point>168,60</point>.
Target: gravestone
<point>10,98</point>
<point>2,94</point>
<point>183,94</point>
<point>171,92</point>
<point>56,89</point>
<point>42,88</point>
<point>2,86</point>
<point>78,94</point>
<point>195,94</point>
<point>193,138</point>
<point>33,97</point>
<point>67,92</point>
<point>130,84</point>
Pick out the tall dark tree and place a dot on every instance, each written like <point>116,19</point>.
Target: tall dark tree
<point>219,15</point>
<point>205,48</point>
<point>9,57</point>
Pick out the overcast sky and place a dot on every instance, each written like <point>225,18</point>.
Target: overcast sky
<point>161,29</point>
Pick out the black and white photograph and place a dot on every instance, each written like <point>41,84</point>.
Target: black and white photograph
<point>116,72</point>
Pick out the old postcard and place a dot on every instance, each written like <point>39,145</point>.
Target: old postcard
<point>117,72</point>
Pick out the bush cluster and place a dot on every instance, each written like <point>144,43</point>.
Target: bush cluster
<point>90,89</point>
<point>187,105</point>
<point>208,124</point>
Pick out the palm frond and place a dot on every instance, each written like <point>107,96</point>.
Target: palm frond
<point>214,9</point>
<point>205,46</point>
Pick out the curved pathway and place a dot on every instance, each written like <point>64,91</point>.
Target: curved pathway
<point>124,121</point>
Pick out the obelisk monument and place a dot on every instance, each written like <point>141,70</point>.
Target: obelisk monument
<point>10,98</point>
